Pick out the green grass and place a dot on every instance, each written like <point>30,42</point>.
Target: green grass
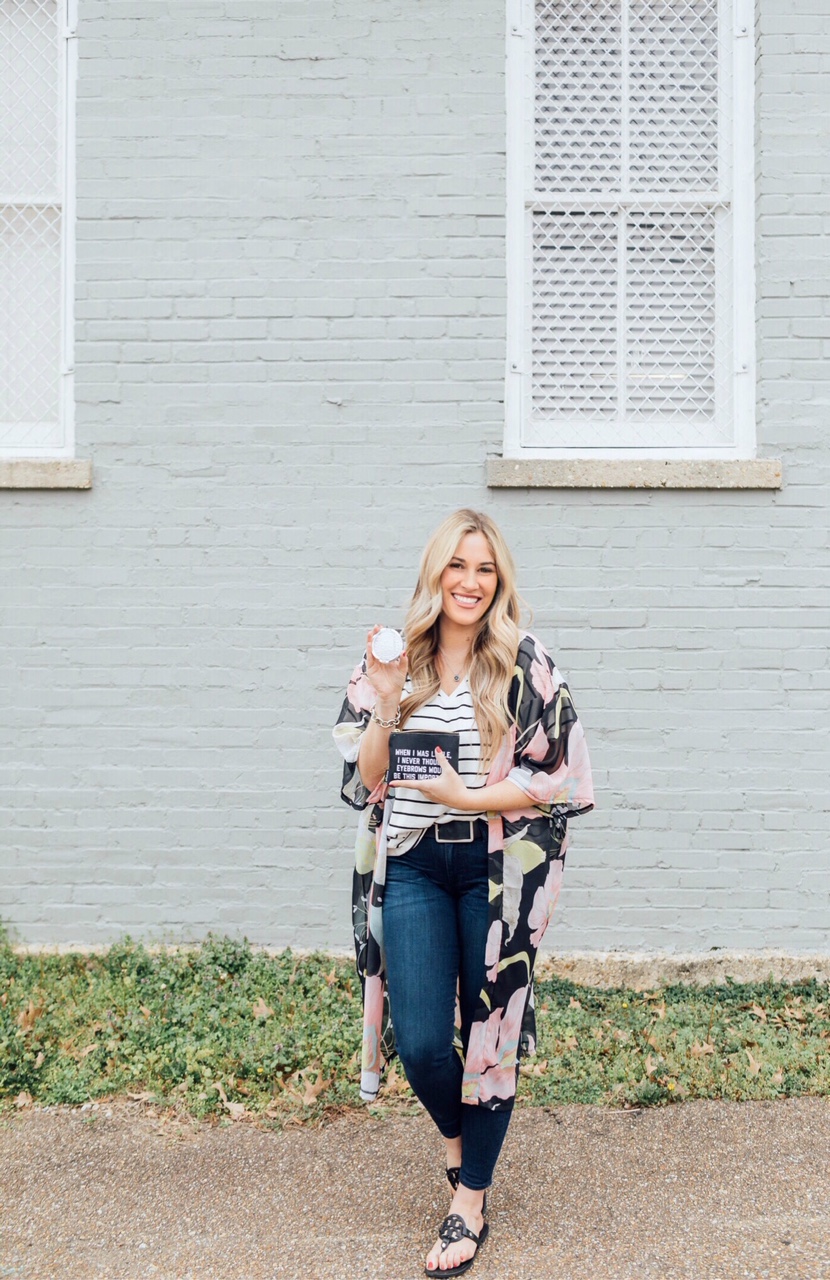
<point>223,1029</point>
<point>738,1041</point>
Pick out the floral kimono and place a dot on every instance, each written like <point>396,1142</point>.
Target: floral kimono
<point>544,753</point>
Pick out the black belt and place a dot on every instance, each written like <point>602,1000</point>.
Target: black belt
<point>459,831</point>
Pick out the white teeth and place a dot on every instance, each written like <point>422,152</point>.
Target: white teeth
<point>465,599</point>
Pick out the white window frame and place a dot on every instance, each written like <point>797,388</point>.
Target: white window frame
<point>738,54</point>
<point>67,53</point>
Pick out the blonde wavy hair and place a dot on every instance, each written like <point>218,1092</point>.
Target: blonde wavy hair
<point>495,644</point>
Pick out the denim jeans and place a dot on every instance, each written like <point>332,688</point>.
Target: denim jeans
<point>435,914</point>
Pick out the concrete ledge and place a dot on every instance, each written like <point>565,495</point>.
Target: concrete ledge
<point>631,473</point>
<point>45,473</point>
<point>643,970</point>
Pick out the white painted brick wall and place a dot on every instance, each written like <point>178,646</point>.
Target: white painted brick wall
<point>290,351</point>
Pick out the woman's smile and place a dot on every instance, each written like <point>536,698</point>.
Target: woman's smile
<point>470,580</point>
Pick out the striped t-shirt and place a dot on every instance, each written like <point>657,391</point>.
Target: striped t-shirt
<point>412,813</point>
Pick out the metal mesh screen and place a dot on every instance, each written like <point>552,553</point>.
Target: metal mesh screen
<point>627,306</point>
<point>670,313</point>
<point>30,220</point>
<point>673,95</point>
<point>575,315</point>
<point>578,96</point>
<point>29,315</point>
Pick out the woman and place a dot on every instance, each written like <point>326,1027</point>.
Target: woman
<point>456,877</point>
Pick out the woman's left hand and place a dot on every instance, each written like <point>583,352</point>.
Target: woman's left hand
<point>448,790</point>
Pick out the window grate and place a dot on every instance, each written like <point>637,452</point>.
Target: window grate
<point>575,301</point>
<point>670,314</point>
<point>673,95</point>
<point>628,305</point>
<point>32,82</point>
<point>29,98</point>
<point>30,253</point>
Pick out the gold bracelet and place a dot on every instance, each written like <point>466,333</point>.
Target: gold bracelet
<point>386,724</point>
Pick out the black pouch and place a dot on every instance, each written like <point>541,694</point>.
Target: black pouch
<point>412,755</point>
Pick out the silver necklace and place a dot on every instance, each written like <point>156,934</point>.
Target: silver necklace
<point>455,677</point>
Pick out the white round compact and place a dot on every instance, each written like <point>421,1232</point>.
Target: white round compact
<point>387,645</point>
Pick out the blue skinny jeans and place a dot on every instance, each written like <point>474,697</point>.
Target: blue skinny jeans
<point>435,913</point>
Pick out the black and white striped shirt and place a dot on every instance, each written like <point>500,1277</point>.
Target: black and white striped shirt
<point>412,813</point>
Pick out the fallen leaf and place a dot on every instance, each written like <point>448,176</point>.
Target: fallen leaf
<point>236,1110</point>
<point>778,1078</point>
<point>148,1013</point>
<point>660,1010</point>
<point>23,1099</point>
<point>261,1009</point>
<point>652,995</point>
<point>394,1083</point>
<point>27,1017</point>
<point>698,1050</point>
<point>758,1011</point>
<point>754,1064</point>
<point>597,1033</point>
<point>622,1036</point>
<point>570,1042</point>
<point>652,1040</point>
<point>40,1059</point>
<point>90,1048</point>
<point>313,1089</point>
<point>331,978</point>
<point>652,1064</point>
<point>573,1003</point>
<point>539,1068</point>
<point>146,1096</point>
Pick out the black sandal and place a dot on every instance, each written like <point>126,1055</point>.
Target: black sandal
<point>453,1229</point>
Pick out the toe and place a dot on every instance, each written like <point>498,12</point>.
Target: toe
<point>433,1257</point>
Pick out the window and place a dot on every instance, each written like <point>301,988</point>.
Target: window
<point>37,75</point>
<point>630,229</point>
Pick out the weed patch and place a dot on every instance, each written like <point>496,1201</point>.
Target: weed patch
<point>736,1041</point>
<point>223,1030</point>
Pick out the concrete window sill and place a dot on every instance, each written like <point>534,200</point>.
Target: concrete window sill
<point>631,473</point>
<point>45,473</point>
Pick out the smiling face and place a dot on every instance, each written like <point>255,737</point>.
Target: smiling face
<point>470,581</point>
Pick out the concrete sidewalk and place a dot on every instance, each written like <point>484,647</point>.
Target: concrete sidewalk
<point>704,1191</point>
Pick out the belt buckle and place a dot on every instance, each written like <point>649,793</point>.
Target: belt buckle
<point>468,839</point>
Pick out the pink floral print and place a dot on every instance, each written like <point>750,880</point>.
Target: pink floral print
<point>546,755</point>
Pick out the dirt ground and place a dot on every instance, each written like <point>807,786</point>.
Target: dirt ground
<point>696,1191</point>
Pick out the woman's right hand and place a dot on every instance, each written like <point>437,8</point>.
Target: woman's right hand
<point>386,678</point>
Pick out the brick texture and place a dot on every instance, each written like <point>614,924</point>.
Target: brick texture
<point>290,347</point>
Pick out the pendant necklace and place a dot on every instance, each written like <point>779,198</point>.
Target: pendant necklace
<point>455,677</point>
